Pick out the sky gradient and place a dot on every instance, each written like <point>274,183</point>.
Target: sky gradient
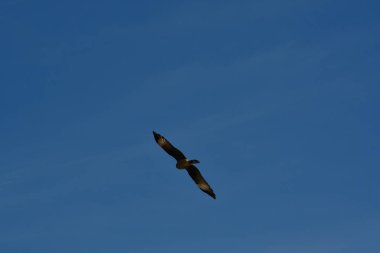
<point>279,100</point>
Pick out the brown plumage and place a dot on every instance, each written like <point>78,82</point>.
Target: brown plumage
<point>184,163</point>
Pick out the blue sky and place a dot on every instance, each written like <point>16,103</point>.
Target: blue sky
<point>279,100</point>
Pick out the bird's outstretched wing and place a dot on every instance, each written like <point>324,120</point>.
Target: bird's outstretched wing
<point>196,175</point>
<point>168,147</point>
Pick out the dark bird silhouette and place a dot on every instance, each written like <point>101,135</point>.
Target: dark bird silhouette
<point>184,163</point>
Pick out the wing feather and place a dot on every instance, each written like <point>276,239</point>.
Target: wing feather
<point>168,147</point>
<point>196,175</point>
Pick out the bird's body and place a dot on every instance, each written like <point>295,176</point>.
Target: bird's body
<point>184,163</point>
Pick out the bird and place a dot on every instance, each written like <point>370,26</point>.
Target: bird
<point>184,163</point>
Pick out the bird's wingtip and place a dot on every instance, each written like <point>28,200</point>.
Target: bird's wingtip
<point>211,194</point>
<point>156,135</point>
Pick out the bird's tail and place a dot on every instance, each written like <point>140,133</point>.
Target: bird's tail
<point>194,161</point>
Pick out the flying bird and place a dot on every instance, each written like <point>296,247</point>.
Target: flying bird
<point>184,163</point>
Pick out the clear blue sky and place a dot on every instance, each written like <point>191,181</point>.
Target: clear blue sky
<point>279,100</point>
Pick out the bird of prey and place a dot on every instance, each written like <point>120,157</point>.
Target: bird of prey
<point>184,163</point>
